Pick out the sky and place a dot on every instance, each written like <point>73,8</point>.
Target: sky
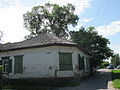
<point>104,15</point>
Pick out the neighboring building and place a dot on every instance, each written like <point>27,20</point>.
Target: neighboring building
<point>44,56</point>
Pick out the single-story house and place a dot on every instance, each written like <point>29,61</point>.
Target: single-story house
<point>44,56</point>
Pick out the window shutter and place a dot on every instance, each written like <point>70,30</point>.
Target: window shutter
<point>5,62</point>
<point>0,62</point>
<point>18,65</point>
<point>81,62</point>
<point>88,66</point>
<point>10,66</point>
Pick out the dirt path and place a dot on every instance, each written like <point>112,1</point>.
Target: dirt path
<point>97,82</point>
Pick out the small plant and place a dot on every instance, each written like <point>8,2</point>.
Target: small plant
<point>116,78</point>
<point>7,87</point>
<point>116,83</point>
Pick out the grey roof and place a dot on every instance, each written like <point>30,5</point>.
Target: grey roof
<point>38,41</point>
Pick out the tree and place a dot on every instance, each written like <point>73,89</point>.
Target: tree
<point>1,34</point>
<point>115,60</point>
<point>50,18</point>
<point>94,44</point>
<point>104,64</point>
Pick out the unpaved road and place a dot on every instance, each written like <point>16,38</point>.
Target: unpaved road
<point>97,82</point>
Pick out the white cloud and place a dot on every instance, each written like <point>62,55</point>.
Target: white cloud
<point>110,29</point>
<point>11,23</point>
<point>116,48</point>
<point>11,17</point>
<point>82,22</point>
<point>85,20</point>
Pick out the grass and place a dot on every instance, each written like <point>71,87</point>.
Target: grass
<point>116,78</point>
<point>26,87</point>
<point>116,83</point>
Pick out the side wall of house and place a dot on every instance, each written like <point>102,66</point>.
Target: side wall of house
<point>44,62</point>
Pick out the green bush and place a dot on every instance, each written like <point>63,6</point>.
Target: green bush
<point>116,78</point>
<point>115,74</point>
<point>116,83</point>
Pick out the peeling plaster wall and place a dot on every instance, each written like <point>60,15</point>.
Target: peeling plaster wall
<point>44,62</point>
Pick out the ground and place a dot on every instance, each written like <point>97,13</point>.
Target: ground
<point>97,82</point>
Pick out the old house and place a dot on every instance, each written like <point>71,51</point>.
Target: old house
<point>43,56</point>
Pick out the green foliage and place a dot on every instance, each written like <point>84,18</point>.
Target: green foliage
<point>116,78</point>
<point>50,18</point>
<point>104,64</point>
<point>39,84</point>
<point>116,83</point>
<point>115,71</point>
<point>7,87</point>
<point>94,44</point>
<point>1,67</point>
<point>115,74</point>
<point>115,60</point>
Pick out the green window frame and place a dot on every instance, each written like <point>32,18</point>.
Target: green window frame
<point>65,61</point>
<point>7,64</point>
<point>81,62</point>
<point>18,64</point>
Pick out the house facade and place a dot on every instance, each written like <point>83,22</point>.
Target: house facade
<point>44,56</point>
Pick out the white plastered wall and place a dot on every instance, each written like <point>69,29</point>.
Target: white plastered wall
<point>43,62</point>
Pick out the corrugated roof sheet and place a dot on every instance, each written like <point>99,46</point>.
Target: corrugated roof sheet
<point>40,40</point>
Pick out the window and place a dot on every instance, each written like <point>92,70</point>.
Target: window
<point>65,61</point>
<point>7,64</point>
<point>81,62</point>
<point>18,64</point>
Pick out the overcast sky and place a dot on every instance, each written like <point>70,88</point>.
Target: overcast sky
<point>102,14</point>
